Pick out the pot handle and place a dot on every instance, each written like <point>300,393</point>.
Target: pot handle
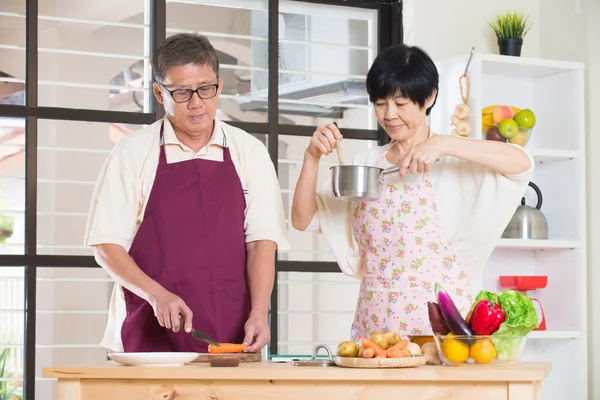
<point>538,193</point>
<point>391,170</point>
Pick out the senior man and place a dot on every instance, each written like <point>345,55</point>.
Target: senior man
<point>186,217</point>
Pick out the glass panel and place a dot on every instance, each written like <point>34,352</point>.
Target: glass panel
<point>12,332</point>
<point>12,52</point>
<point>324,55</point>
<point>308,245</point>
<point>238,30</point>
<point>12,185</point>
<point>94,55</point>
<point>70,156</point>
<point>314,308</point>
<point>69,332</point>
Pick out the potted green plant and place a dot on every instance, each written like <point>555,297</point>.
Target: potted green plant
<point>510,28</point>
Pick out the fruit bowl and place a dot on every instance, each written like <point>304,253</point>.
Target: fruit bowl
<point>507,124</point>
<point>463,350</point>
<point>521,137</point>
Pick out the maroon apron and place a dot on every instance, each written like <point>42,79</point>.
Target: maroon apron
<point>192,242</point>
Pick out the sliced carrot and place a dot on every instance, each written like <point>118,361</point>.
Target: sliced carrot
<point>226,348</point>
<point>369,344</point>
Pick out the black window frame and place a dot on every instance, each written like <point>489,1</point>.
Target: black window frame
<point>390,31</point>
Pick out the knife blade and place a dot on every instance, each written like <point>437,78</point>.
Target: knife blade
<point>204,337</point>
<point>201,336</point>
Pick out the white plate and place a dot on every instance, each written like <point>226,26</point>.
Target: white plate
<point>154,359</point>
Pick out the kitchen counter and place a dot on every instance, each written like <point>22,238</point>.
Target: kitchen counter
<point>276,381</point>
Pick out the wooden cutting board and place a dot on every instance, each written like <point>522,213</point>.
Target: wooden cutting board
<point>243,357</point>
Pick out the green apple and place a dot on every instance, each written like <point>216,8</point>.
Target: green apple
<point>525,119</point>
<point>508,128</point>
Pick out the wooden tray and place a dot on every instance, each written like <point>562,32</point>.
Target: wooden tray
<point>357,362</point>
<point>243,357</point>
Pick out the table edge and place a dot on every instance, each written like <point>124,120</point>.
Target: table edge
<point>523,372</point>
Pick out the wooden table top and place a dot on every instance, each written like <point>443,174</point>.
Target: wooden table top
<point>265,370</point>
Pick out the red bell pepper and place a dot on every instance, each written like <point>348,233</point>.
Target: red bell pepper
<point>486,317</point>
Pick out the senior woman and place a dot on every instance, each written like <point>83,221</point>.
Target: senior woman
<point>437,220</point>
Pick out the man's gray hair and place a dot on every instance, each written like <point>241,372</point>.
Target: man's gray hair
<point>184,49</point>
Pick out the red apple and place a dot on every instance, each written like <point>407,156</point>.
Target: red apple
<point>501,113</point>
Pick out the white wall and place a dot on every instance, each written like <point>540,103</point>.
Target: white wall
<point>449,28</point>
<point>570,31</point>
<point>593,147</point>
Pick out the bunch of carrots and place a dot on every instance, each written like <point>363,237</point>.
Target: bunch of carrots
<point>373,350</point>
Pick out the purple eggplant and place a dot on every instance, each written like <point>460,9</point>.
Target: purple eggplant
<point>438,323</point>
<point>455,321</point>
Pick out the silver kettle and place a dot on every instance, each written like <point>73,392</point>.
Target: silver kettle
<point>528,222</point>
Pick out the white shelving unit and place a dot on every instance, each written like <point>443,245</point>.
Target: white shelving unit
<point>554,90</point>
<point>537,244</point>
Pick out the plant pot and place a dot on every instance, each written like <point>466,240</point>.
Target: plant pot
<point>510,47</point>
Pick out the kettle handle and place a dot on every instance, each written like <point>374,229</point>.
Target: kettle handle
<point>538,193</point>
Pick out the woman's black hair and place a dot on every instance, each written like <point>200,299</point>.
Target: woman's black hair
<point>406,71</point>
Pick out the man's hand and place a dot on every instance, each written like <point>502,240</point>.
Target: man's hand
<point>257,333</point>
<point>167,308</point>
<point>121,267</point>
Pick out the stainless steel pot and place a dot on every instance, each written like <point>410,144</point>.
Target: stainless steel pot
<point>528,222</point>
<point>358,182</point>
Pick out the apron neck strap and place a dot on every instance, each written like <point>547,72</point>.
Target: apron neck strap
<point>163,158</point>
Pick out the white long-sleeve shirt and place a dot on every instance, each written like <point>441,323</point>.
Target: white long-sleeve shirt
<point>474,205</point>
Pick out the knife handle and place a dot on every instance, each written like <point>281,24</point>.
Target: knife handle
<point>182,319</point>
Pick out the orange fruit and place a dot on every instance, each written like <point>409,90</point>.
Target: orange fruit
<point>483,351</point>
<point>455,350</point>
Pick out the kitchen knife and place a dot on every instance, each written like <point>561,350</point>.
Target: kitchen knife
<point>202,336</point>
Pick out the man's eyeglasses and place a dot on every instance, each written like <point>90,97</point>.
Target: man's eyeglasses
<point>183,95</point>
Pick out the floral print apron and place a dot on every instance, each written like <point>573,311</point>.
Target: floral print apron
<point>406,252</point>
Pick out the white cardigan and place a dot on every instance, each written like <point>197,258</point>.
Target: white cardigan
<point>474,205</point>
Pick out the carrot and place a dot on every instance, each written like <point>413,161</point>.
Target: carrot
<point>398,346</point>
<point>369,344</point>
<point>226,348</point>
<point>368,353</point>
<point>396,353</point>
